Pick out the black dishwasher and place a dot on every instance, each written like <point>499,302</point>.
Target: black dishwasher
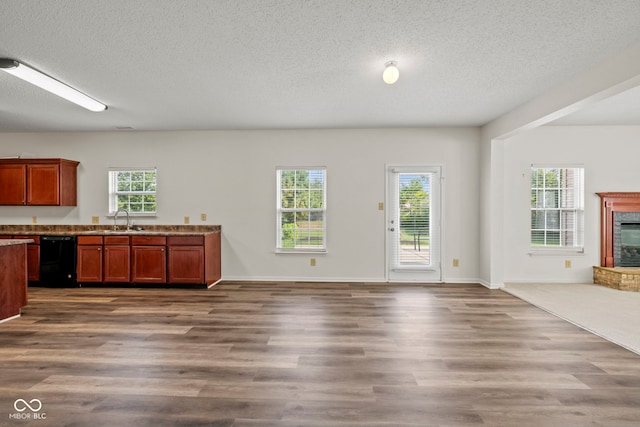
<point>58,260</point>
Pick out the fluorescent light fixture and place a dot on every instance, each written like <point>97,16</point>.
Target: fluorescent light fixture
<point>391,73</point>
<point>50,84</point>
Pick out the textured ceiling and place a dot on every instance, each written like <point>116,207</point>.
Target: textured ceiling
<point>259,64</point>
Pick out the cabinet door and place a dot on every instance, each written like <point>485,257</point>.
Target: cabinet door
<point>117,264</point>
<point>89,264</point>
<point>33,263</point>
<point>186,264</point>
<point>148,264</point>
<point>13,190</point>
<point>43,184</point>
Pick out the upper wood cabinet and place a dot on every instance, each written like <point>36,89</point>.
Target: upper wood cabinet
<point>13,190</point>
<point>38,182</point>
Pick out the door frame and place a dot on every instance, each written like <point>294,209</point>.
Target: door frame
<point>416,277</point>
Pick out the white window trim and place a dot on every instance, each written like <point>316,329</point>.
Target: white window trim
<point>112,203</point>
<point>559,250</point>
<point>301,250</point>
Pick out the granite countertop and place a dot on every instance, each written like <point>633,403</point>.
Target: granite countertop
<point>9,242</point>
<point>80,230</point>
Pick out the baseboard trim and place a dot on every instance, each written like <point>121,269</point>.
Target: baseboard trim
<point>348,280</point>
<point>10,318</point>
<point>304,279</point>
<point>491,285</point>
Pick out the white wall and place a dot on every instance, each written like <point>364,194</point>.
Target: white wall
<point>610,156</point>
<point>612,76</point>
<point>230,176</point>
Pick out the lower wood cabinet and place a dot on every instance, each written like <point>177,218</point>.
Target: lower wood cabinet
<point>148,259</point>
<point>186,264</point>
<point>89,260</point>
<point>33,255</point>
<point>117,259</point>
<point>103,259</point>
<point>13,280</point>
<point>33,259</point>
<point>193,259</point>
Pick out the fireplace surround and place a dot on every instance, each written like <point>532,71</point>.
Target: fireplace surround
<point>620,230</point>
<point>616,209</point>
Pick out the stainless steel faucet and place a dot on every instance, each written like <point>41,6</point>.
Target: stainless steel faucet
<point>115,219</point>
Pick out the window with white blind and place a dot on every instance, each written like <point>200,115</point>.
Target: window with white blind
<point>301,209</point>
<point>557,208</point>
<point>133,190</point>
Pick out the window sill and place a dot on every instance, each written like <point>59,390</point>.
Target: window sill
<point>556,251</point>
<point>301,251</point>
<point>133,214</point>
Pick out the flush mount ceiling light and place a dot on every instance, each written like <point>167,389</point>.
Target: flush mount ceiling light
<point>50,84</point>
<point>391,73</point>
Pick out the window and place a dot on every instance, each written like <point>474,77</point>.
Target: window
<point>133,190</point>
<point>557,208</point>
<point>301,209</point>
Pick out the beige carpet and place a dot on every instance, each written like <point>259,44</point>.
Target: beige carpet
<point>609,313</point>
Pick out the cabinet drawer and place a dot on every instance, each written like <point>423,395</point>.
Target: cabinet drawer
<point>89,240</point>
<point>148,240</point>
<point>185,240</point>
<point>116,240</point>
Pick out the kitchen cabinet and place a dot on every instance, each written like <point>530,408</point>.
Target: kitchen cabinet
<point>117,263</point>
<point>148,259</point>
<point>13,190</point>
<point>13,280</point>
<point>194,259</point>
<point>33,258</point>
<point>89,262</point>
<point>185,259</point>
<point>33,255</point>
<point>103,259</point>
<point>38,182</point>
<point>130,257</point>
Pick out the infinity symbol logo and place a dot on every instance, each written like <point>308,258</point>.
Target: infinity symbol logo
<point>26,405</point>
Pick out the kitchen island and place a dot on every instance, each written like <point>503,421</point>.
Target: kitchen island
<point>13,277</point>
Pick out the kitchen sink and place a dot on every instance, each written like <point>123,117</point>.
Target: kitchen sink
<point>126,232</point>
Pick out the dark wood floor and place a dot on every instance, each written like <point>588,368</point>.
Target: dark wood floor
<point>301,354</point>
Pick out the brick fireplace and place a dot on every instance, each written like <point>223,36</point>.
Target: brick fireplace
<point>612,205</point>
<point>619,241</point>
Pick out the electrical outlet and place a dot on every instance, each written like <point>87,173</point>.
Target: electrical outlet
<point>313,262</point>
<point>186,220</point>
<point>95,220</point>
<point>34,219</point>
<point>456,262</point>
<point>203,217</point>
<point>567,263</point>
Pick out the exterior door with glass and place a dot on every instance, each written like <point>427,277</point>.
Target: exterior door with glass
<point>413,223</point>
